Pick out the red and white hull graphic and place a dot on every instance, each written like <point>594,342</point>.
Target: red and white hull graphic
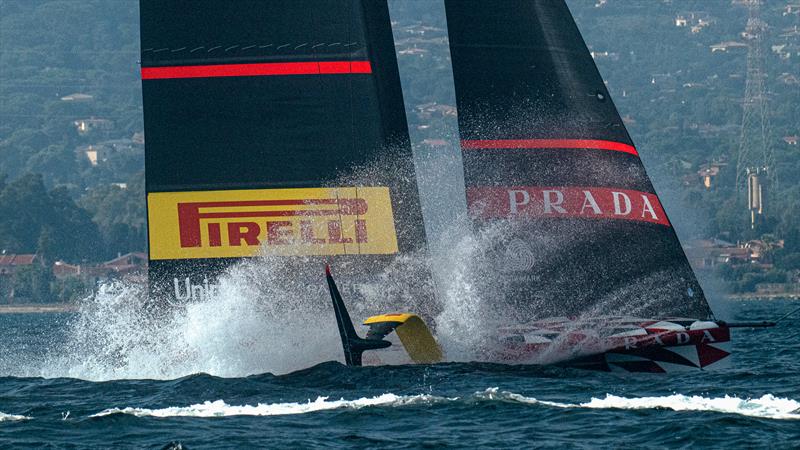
<point>619,344</point>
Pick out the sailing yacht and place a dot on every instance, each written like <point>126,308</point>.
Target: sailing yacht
<point>259,116</point>
<point>591,269</point>
<point>586,269</point>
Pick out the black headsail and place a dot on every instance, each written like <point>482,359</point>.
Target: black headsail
<point>256,113</point>
<point>548,161</point>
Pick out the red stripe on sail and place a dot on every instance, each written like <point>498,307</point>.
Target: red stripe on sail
<point>565,202</point>
<point>547,143</point>
<point>257,70</point>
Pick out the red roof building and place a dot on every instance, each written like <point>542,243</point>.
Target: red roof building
<point>9,262</point>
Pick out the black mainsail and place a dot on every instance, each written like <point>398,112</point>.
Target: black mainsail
<point>253,112</point>
<point>547,159</point>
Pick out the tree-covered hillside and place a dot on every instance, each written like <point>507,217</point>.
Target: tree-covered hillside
<point>51,50</point>
<point>70,112</point>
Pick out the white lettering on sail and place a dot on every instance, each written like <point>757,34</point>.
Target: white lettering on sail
<point>178,295</point>
<point>682,338</point>
<point>550,205</point>
<point>590,202</point>
<point>555,201</point>
<point>515,203</point>
<point>648,208</point>
<point>630,343</point>
<point>707,337</point>
<point>185,290</point>
<point>618,207</point>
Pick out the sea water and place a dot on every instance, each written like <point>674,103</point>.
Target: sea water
<point>67,383</point>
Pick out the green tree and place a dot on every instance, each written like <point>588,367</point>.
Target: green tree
<point>33,284</point>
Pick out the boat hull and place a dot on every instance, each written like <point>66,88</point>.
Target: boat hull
<point>629,345</point>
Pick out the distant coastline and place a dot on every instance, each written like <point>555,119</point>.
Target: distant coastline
<point>35,308</point>
<point>30,308</point>
<point>757,296</point>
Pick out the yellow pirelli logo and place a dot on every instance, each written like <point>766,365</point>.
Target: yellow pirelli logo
<point>236,223</point>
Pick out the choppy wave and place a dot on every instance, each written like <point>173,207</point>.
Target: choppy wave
<point>221,409</point>
<point>12,417</point>
<point>768,406</point>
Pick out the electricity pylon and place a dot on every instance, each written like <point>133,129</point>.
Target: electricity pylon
<point>755,165</point>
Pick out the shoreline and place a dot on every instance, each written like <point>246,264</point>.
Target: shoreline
<point>35,308</point>
<point>45,308</point>
<point>754,296</point>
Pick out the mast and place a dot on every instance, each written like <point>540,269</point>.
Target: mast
<point>548,160</point>
<point>271,128</point>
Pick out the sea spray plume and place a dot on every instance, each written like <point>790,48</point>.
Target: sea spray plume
<point>267,314</point>
<point>472,277</point>
<point>405,282</point>
<point>463,324</point>
<point>254,323</point>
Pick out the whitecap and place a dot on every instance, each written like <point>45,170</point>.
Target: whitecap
<point>221,409</point>
<point>767,406</point>
<point>12,417</point>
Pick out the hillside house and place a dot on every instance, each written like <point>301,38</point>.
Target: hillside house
<point>94,153</point>
<point>77,98</point>
<point>62,269</point>
<point>10,262</point>
<point>709,253</point>
<point>429,110</point>
<point>724,47</point>
<point>127,263</point>
<point>788,78</point>
<point>413,51</point>
<point>695,20</point>
<point>707,175</point>
<point>86,126</point>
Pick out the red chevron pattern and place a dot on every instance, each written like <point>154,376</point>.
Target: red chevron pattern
<point>618,344</point>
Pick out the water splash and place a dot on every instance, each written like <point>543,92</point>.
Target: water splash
<point>251,324</point>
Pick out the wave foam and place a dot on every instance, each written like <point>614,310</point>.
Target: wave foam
<point>221,409</point>
<point>767,407</point>
<point>12,417</point>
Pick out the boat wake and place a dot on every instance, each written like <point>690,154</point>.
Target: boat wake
<point>766,407</point>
